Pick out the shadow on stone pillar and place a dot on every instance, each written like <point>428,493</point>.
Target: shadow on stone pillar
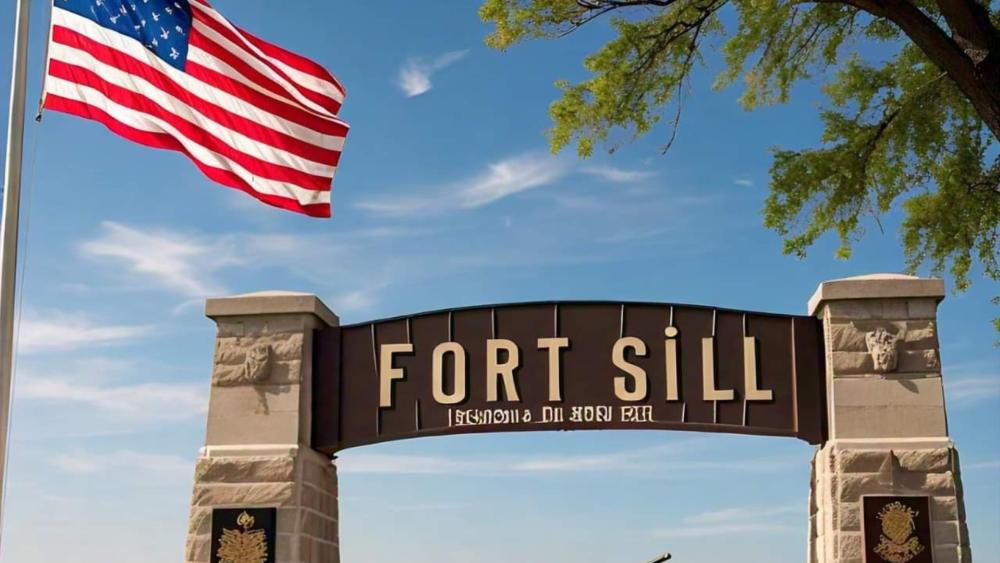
<point>257,452</point>
<point>888,433</point>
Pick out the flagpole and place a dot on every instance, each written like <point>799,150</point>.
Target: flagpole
<point>8,229</point>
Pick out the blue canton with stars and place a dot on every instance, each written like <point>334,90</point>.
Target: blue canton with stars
<point>163,26</point>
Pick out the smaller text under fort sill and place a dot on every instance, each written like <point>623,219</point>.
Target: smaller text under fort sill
<point>551,415</point>
<point>568,366</point>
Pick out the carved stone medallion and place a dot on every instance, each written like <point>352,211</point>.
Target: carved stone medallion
<point>883,347</point>
<point>257,366</point>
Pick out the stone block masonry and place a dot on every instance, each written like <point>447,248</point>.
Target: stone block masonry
<point>844,474</point>
<point>300,483</point>
<point>257,452</point>
<point>888,433</point>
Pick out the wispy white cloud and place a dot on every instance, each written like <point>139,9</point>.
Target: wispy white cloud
<point>500,179</point>
<point>123,462</point>
<point>415,75</point>
<point>57,331</point>
<point>406,464</point>
<point>745,182</point>
<point>731,514</point>
<point>618,175</point>
<point>373,463</point>
<point>354,269</point>
<point>631,235</point>
<point>430,507</point>
<point>725,529</point>
<point>358,299</point>
<point>193,266</point>
<point>986,464</point>
<point>181,263</point>
<point>141,403</point>
<point>659,459</point>
<point>972,389</point>
<point>735,520</point>
<point>509,177</point>
<point>400,206</point>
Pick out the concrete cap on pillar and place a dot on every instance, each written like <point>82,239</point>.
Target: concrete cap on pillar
<point>876,286</point>
<point>270,303</point>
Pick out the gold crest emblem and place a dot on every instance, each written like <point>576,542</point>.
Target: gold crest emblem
<point>243,546</point>
<point>898,544</point>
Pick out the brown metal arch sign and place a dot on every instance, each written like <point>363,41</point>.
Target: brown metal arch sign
<point>568,366</point>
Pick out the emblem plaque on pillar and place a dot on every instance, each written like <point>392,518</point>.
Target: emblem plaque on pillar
<point>243,535</point>
<point>897,529</point>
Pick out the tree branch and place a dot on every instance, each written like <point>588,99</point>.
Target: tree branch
<point>971,28</point>
<point>980,84</point>
<point>665,38</point>
<point>688,62</point>
<point>598,4</point>
<point>593,9</point>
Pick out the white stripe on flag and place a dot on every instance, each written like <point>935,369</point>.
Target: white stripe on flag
<point>231,137</point>
<point>237,105</point>
<point>145,122</point>
<point>205,58</point>
<point>314,83</point>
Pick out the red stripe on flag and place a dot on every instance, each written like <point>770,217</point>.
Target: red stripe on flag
<point>296,61</point>
<point>131,100</point>
<point>203,42</point>
<point>218,114</point>
<point>312,120</point>
<point>321,124</point>
<point>245,44</point>
<point>165,141</point>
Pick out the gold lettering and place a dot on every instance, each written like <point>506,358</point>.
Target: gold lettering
<point>752,392</point>
<point>387,373</point>
<point>671,343</point>
<point>638,374</point>
<point>505,371</point>
<point>554,346</point>
<point>709,392</point>
<point>437,373</point>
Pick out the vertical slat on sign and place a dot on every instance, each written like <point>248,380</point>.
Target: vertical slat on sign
<point>810,380</point>
<point>328,387</point>
<point>555,321</point>
<point>746,360</point>
<point>416,405</point>
<point>378,410</point>
<point>677,376</point>
<point>795,382</point>
<point>409,340</point>
<point>339,416</point>
<point>715,404</point>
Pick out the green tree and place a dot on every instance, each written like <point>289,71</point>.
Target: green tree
<point>919,126</point>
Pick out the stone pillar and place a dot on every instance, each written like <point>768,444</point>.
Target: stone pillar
<point>888,433</point>
<point>257,452</point>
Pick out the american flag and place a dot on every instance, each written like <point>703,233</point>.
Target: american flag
<point>175,74</point>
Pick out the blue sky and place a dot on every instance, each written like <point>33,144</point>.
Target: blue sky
<point>446,197</point>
